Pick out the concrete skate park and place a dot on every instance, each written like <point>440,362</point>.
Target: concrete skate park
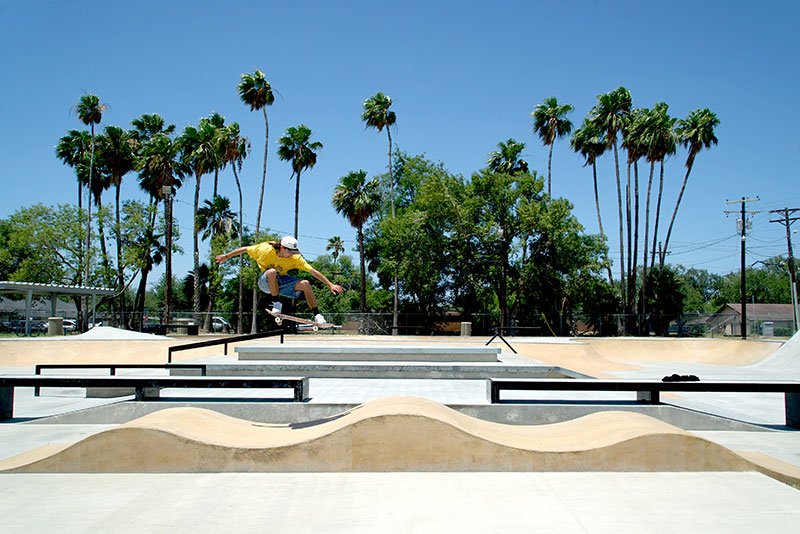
<point>399,433</point>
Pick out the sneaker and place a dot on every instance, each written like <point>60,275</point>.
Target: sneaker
<point>277,306</point>
<point>319,318</point>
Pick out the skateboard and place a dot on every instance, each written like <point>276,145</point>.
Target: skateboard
<point>280,317</point>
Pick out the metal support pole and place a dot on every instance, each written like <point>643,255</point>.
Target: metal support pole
<point>743,284</point>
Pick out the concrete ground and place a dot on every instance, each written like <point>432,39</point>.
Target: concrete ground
<point>424,502</point>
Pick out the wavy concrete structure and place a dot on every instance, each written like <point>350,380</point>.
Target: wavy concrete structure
<point>391,434</point>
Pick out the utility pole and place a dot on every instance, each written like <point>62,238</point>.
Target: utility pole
<point>742,223</point>
<point>787,221</point>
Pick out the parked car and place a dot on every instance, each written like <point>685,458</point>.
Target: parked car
<point>70,325</point>
<point>218,324</point>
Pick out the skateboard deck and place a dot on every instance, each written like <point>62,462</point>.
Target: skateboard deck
<point>280,317</point>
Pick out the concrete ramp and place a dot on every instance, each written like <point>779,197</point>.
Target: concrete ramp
<point>368,353</point>
<point>391,434</point>
<point>785,361</point>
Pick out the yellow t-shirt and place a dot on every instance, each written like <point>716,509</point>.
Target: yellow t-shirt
<point>267,258</point>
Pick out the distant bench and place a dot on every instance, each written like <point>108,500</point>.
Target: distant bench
<point>649,391</point>
<point>163,329</point>
<point>146,387</point>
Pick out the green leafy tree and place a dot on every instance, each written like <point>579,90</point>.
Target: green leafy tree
<point>499,201</point>
<point>550,122</point>
<point>297,148</point>
<point>665,300</point>
<point>47,246</point>
<point>358,200</point>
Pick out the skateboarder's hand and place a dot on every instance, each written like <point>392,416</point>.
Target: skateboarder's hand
<point>221,258</point>
<point>337,289</point>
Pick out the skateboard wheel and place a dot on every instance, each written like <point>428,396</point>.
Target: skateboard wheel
<point>315,328</point>
<point>278,321</point>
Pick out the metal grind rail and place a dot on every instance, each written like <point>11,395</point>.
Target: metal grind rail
<point>225,341</point>
<point>112,367</point>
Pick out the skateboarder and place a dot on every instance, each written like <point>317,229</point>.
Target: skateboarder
<point>276,259</point>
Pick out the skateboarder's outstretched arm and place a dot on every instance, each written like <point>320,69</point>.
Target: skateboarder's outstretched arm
<point>232,254</point>
<point>335,288</point>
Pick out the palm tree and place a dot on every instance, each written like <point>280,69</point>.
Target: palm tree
<point>160,170</point>
<point>550,122</point>
<point>336,245</point>
<point>215,218</point>
<point>256,92</point>
<point>634,132</point>
<point>73,150</point>
<point>507,160</point>
<point>695,132</point>
<point>377,115</point>
<point>236,150</point>
<point>149,125</point>
<point>589,143</point>
<point>608,115</point>
<point>358,200</point>
<point>199,152</point>
<point>296,147</point>
<point>119,157</point>
<point>90,112</point>
<point>664,143</point>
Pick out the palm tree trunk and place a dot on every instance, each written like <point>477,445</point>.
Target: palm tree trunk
<point>103,248</point>
<point>196,252</point>
<point>363,268</point>
<point>621,227</point>
<point>239,329</point>
<point>658,214</point>
<point>254,325</point>
<point>643,302</point>
<point>633,272</point>
<point>600,219</point>
<point>120,274</point>
<point>689,164</point>
<point>296,203</point>
<point>88,231</point>
<point>628,235</point>
<point>395,301</point>
<point>549,161</point>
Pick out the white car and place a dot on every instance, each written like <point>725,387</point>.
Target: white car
<point>218,324</point>
<point>70,325</point>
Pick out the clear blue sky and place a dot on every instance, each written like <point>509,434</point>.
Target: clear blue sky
<point>463,76</point>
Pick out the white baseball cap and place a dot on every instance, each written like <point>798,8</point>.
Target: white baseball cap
<point>289,243</point>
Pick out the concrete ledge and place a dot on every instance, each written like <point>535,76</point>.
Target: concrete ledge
<point>365,353</point>
<point>429,370</point>
<point>303,413</point>
<point>108,393</point>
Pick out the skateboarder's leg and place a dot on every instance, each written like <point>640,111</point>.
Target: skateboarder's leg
<point>304,286</point>
<point>268,283</point>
